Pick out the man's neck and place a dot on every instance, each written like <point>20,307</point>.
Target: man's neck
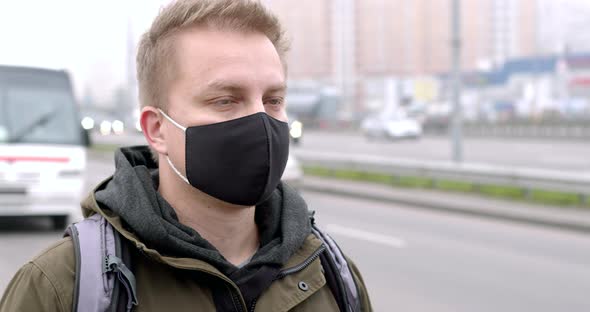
<point>230,228</point>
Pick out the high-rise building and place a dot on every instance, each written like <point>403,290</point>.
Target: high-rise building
<point>401,37</point>
<point>514,31</point>
<point>308,24</point>
<point>406,38</point>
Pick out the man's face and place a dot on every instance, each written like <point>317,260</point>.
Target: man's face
<point>220,76</point>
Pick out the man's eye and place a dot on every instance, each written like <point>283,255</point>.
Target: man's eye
<point>274,101</point>
<point>223,102</point>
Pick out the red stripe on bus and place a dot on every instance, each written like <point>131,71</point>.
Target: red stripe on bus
<point>34,159</point>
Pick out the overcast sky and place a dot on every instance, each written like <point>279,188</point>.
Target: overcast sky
<point>88,38</point>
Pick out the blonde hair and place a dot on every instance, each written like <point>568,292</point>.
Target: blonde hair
<point>155,57</point>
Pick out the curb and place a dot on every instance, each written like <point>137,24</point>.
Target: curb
<point>450,208</point>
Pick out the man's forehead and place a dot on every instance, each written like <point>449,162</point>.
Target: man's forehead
<point>224,44</point>
<point>225,58</point>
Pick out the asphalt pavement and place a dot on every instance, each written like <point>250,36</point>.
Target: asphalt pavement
<point>417,260</point>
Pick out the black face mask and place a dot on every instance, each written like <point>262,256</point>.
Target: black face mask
<point>239,161</point>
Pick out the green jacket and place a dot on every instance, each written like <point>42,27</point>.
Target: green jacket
<point>168,283</point>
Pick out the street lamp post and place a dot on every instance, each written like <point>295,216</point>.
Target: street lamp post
<point>456,82</point>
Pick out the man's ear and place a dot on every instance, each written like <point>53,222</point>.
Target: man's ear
<point>151,125</point>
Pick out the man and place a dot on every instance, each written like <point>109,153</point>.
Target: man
<point>208,225</point>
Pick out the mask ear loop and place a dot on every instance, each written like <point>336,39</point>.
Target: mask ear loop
<point>168,158</point>
<point>176,171</point>
<point>172,121</point>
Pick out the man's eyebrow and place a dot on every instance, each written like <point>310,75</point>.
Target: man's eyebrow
<point>222,85</point>
<point>281,88</point>
<point>278,88</point>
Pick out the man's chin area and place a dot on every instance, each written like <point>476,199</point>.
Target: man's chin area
<point>218,203</point>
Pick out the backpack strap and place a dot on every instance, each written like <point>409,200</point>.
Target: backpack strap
<point>124,293</point>
<point>338,274</point>
<point>100,272</point>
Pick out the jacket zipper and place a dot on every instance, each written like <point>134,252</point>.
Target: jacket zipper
<point>236,300</point>
<point>253,306</point>
<point>301,266</point>
<point>294,270</point>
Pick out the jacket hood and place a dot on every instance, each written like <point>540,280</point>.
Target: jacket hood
<point>131,195</point>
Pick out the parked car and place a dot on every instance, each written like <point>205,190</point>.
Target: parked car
<point>391,128</point>
<point>42,145</point>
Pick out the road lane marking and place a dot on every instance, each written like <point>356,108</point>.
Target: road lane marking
<point>366,236</point>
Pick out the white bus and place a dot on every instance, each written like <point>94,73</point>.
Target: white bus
<point>42,145</point>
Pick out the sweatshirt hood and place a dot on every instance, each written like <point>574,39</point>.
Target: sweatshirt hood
<point>132,194</point>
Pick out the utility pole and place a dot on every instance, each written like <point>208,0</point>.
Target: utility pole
<point>456,82</point>
<point>343,34</point>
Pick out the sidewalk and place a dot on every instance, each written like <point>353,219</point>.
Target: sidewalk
<point>576,219</point>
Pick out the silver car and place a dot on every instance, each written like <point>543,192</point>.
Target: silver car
<point>391,128</point>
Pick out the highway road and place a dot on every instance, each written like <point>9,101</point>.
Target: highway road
<point>546,154</point>
<point>413,260</point>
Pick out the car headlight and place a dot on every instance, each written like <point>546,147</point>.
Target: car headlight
<point>87,123</point>
<point>296,129</point>
<point>105,127</point>
<point>118,126</point>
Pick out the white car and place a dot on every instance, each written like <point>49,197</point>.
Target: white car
<point>42,146</point>
<point>293,174</point>
<point>391,128</point>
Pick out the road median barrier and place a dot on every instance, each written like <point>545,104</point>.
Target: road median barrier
<point>523,184</point>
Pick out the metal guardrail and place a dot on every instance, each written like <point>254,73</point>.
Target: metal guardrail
<point>566,132</point>
<point>527,179</point>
